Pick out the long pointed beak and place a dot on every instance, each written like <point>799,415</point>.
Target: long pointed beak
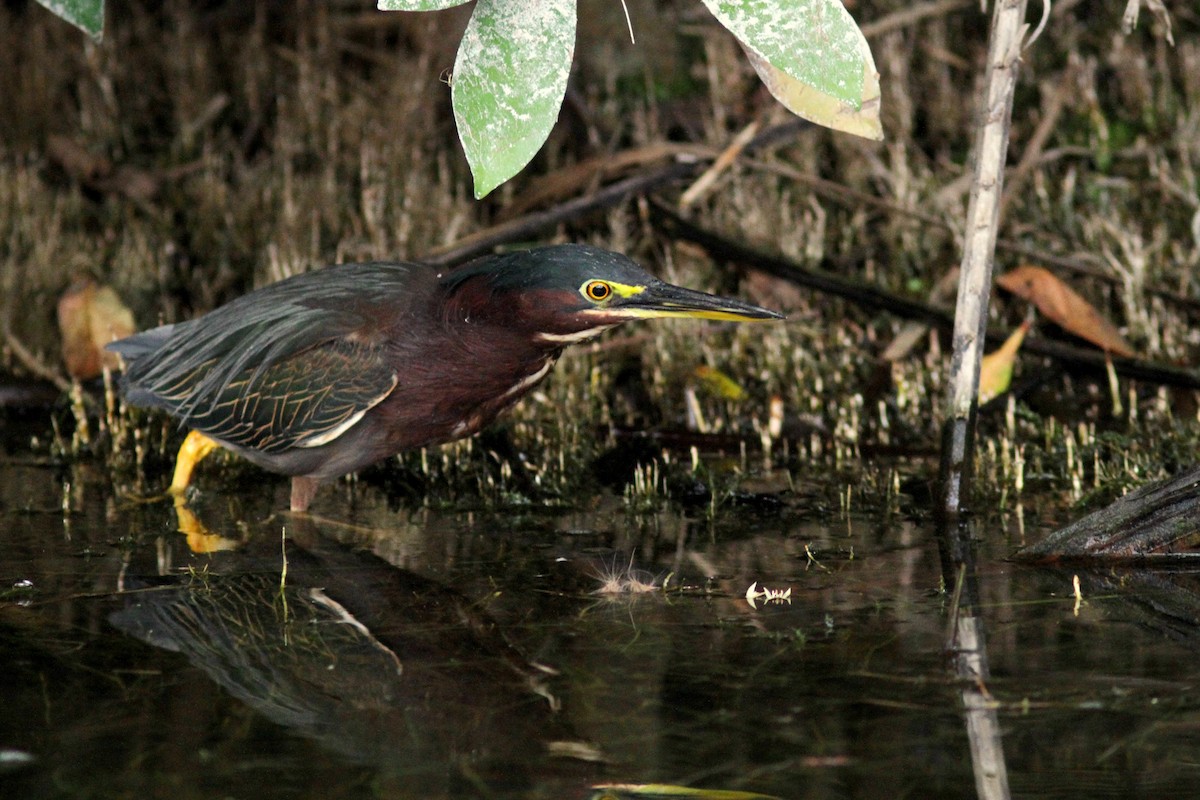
<point>665,300</point>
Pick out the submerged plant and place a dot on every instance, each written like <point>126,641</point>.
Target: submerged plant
<point>622,580</point>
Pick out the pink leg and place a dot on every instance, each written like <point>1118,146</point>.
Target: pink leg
<point>303,489</point>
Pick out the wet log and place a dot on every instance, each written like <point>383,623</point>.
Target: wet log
<point>1154,524</point>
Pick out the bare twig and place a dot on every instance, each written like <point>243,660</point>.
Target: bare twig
<point>23,354</point>
<point>911,15</point>
<point>1090,266</point>
<point>524,227</point>
<point>979,248</point>
<point>517,229</point>
<point>704,184</point>
<point>1129,19</point>
<point>31,362</point>
<point>585,176</point>
<point>1037,142</point>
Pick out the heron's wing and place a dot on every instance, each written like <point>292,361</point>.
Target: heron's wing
<point>292,365</point>
<point>306,400</point>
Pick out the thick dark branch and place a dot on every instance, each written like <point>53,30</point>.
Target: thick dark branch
<point>876,299</point>
<point>858,292</point>
<point>528,225</point>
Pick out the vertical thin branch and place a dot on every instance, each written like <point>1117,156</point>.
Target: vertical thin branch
<point>979,246</point>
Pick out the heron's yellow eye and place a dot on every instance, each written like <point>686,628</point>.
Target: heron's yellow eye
<point>597,291</point>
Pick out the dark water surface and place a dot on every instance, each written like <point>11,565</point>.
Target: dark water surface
<point>421,654</point>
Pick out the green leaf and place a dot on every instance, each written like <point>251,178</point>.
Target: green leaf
<point>509,80</point>
<point>814,41</point>
<point>87,15</point>
<point>419,5</point>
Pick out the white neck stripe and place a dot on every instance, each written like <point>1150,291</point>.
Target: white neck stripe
<point>571,338</point>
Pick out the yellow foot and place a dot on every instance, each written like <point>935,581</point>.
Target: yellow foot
<point>195,447</point>
<point>199,538</point>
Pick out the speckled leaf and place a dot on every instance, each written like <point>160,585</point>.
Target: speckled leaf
<point>815,42</point>
<point>509,80</point>
<point>861,119</point>
<point>87,15</point>
<point>419,5</point>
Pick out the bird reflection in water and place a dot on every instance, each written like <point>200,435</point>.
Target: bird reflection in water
<point>375,663</point>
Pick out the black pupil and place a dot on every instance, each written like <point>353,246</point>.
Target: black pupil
<point>599,291</point>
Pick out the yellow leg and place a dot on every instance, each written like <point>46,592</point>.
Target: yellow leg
<point>199,538</point>
<point>195,447</point>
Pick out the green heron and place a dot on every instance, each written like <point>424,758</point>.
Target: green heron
<point>327,372</point>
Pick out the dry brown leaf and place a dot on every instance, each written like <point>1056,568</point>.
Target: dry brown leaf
<point>1060,304</point>
<point>89,317</point>
<point>76,160</point>
<point>100,174</point>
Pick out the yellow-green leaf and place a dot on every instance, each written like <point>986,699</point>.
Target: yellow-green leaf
<point>805,100</point>
<point>996,370</point>
<point>718,383</point>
